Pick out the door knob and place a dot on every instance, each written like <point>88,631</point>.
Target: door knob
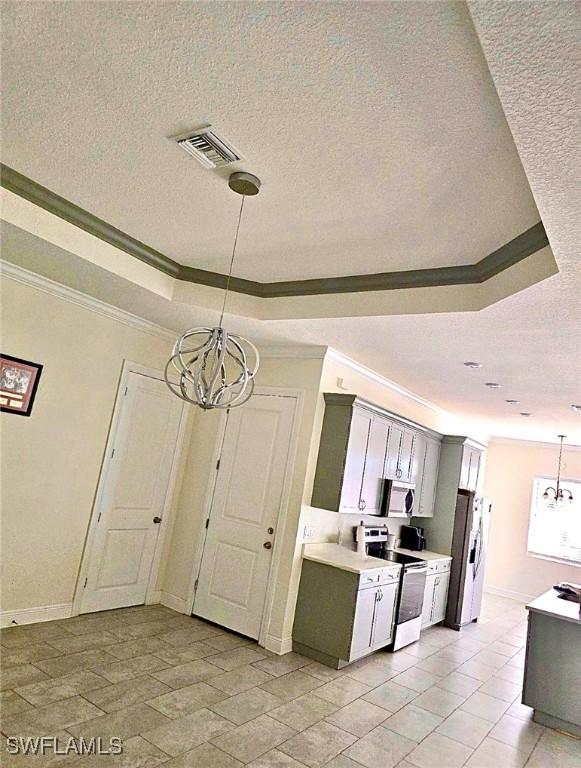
<point>267,545</point>
<point>157,520</point>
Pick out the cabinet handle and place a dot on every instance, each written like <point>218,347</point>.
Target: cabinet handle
<point>398,473</point>
<point>362,504</point>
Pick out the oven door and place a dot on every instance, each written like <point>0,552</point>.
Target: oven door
<point>412,593</point>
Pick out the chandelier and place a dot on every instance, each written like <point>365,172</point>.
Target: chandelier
<point>558,495</point>
<point>210,367</point>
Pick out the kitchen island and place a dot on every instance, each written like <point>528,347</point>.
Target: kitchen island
<point>552,676</point>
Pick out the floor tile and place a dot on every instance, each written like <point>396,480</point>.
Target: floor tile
<point>125,723</point>
<point>465,728</point>
<point>174,656</point>
<point>416,679</point>
<point>517,709</point>
<point>476,670</point>
<point>390,696</point>
<point>17,637</point>
<point>501,689</point>
<point>241,679</point>
<point>302,712</point>
<point>182,735</point>
<point>227,642</point>
<point>437,751</point>
<point>482,705</point>
<point>249,741</point>
<point>438,666</point>
<point>490,659</point>
<point>318,744</point>
<point>359,717</point>
<point>238,657</point>
<point>145,629</point>
<point>323,672</point>
<point>246,706</point>
<point>412,722</point>
<point>187,636</point>
<point>65,687</point>
<point>137,753</point>
<point>131,648</point>
<point>491,754</point>
<point>459,683</point>
<point>50,760</point>
<point>277,759</point>
<point>281,665</point>
<point>556,749</point>
<point>512,674</point>
<point>372,674</point>
<point>119,695</point>
<point>342,690</point>
<point>54,717</point>
<point>380,748</point>
<point>503,648</point>
<point>28,653</point>
<point>204,756</point>
<point>186,700</point>
<point>15,677</point>
<point>77,643</point>
<point>520,734</point>
<point>291,686</point>
<point>118,671</point>
<point>438,701</point>
<point>342,761</point>
<point>186,674</point>
<point>74,662</point>
<point>455,653</point>
<point>11,703</point>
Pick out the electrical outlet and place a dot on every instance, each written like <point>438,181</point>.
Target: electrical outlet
<point>309,532</point>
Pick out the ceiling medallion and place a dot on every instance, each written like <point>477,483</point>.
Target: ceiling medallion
<point>558,496</point>
<point>210,367</point>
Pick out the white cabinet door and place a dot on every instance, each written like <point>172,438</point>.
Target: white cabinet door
<point>393,449</point>
<point>363,622</point>
<point>384,615</point>
<point>405,455</point>
<point>465,468</point>
<point>418,459</point>
<point>374,463</point>
<point>473,469</point>
<point>440,597</point>
<point>428,604</point>
<point>429,480</point>
<point>355,463</point>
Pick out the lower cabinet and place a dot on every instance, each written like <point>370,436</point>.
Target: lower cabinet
<point>436,592</point>
<point>343,616</point>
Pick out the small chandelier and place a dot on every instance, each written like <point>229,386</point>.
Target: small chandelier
<point>558,496</point>
<point>216,369</point>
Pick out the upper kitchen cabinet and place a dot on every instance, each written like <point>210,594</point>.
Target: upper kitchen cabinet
<point>427,478</point>
<point>360,446</point>
<point>470,468</point>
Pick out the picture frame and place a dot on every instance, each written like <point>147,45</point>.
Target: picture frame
<point>19,381</point>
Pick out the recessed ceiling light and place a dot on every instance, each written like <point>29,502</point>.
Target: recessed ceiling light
<point>576,408</point>
<point>471,364</point>
<point>512,402</point>
<point>525,413</point>
<point>492,385</point>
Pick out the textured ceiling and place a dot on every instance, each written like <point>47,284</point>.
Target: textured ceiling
<point>375,128</point>
<point>529,342</point>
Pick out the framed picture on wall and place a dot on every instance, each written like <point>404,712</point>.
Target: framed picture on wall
<point>18,384</point>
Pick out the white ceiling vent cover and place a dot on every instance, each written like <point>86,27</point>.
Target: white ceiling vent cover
<point>208,149</point>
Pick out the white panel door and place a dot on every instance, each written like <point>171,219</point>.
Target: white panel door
<point>255,460</point>
<point>133,496</point>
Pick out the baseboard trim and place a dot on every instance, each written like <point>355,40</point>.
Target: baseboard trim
<point>172,601</point>
<point>278,645</point>
<point>36,615</point>
<point>510,594</point>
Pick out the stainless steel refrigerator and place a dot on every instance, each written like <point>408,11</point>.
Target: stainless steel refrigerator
<point>469,541</point>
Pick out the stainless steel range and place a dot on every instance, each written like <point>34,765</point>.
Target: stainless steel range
<point>408,621</point>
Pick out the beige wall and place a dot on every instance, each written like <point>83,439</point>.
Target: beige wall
<point>510,469</point>
<point>52,459</point>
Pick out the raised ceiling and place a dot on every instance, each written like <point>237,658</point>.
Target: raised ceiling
<point>375,127</point>
<point>70,124</point>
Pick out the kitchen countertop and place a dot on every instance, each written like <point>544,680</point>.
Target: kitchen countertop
<point>346,559</point>
<point>425,554</point>
<point>549,604</point>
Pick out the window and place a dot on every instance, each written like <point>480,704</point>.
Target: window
<point>555,530</point>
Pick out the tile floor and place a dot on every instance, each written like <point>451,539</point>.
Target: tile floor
<point>187,694</point>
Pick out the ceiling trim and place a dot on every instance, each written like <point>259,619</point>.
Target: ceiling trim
<point>522,246</point>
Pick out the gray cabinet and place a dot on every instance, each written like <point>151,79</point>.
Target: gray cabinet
<point>428,478</point>
<point>470,468</point>
<point>360,446</point>
<point>342,616</point>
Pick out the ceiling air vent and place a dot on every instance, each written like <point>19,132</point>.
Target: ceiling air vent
<point>207,148</point>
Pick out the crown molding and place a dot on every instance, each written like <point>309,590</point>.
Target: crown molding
<point>522,246</point>
<point>302,351</point>
<point>45,284</point>
<point>514,441</point>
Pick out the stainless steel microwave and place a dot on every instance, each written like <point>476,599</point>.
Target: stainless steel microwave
<point>398,498</point>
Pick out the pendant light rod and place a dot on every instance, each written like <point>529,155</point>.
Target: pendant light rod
<point>232,259</point>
